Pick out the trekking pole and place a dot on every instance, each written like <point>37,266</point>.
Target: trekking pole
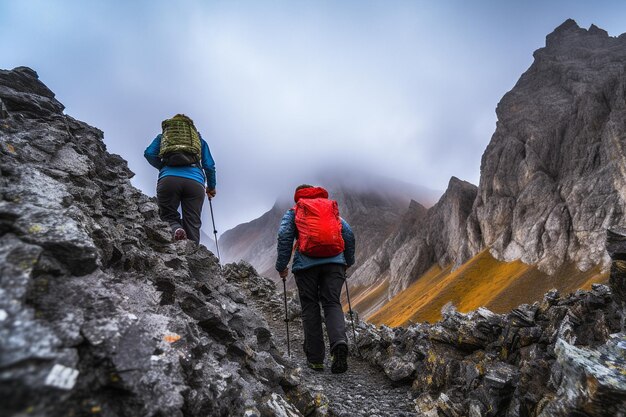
<point>286,315</point>
<point>215,232</point>
<point>351,317</point>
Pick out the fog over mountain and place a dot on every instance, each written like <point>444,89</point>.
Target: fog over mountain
<point>372,205</point>
<point>282,88</point>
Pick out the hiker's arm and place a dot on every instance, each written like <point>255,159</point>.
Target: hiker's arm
<point>208,165</point>
<point>348,239</point>
<point>286,235</point>
<point>152,153</point>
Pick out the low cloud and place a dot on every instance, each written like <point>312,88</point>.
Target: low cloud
<point>282,90</point>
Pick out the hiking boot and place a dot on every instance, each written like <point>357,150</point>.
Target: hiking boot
<point>180,234</point>
<point>319,367</point>
<point>340,359</point>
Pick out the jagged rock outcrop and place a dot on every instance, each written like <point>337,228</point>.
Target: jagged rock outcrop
<point>553,176</point>
<point>423,238</point>
<point>560,357</point>
<point>100,313</point>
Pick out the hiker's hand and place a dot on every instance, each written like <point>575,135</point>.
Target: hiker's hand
<point>211,192</point>
<point>283,274</point>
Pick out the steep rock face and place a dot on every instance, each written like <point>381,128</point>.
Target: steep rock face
<point>100,314</point>
<point>423,238</point>
<point>552,178</point>
<point>616,247</point>
<point>394,249</point>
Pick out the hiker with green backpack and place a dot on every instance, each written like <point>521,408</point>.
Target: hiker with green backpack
<point>186,174</point>
<point>324,250</point>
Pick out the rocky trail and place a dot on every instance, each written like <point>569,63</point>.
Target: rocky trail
<point>364,390</point>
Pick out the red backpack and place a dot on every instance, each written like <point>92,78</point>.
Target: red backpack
<point>318,224</point>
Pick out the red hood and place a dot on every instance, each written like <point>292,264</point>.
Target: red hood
<point>313,192</point>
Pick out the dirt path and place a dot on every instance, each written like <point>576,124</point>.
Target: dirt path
<point>362,391</point>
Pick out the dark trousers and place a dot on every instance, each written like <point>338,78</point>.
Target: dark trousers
<point>173,192</point>
<point>321,283</point>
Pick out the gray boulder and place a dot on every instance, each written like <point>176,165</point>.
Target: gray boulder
<point>591,382</point>
<point>561,357</point>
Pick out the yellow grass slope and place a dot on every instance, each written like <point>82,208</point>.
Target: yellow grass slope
<point>482,281</point>
<point>367,300</point>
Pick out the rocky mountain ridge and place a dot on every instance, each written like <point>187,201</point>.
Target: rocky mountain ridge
<point>560,357</point>
<point>423,238</point>
<point>100,313</point>
<point>552,177</point>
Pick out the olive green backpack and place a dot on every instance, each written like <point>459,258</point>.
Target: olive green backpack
<point>180,142</point>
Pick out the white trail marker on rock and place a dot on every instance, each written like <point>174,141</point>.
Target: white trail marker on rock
<point>62,377</point>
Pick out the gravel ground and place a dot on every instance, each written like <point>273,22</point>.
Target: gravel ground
<point>362,391</point>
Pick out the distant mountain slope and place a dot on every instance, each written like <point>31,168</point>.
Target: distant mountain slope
<point>422,238</point>
<point>373,206</point>
<point>483,281</point>
<point>255,241</point>
<point>553,180</point>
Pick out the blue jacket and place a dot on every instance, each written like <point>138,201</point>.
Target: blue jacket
<point>287,233</point>
<point>204,175</point>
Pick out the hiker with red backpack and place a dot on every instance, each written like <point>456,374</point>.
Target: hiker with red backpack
<point>185,165</point>
<point>324,250</point>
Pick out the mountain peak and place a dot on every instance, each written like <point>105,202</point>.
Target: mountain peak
<point>24,92</point>
<point>569,34</point>
<point>414,205</point>
<point>458,183</point>
<point>568,25</point>
<point>458,187</point>
<point>532,172</point>
<point>594,30</point>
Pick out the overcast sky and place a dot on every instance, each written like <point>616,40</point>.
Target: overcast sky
<point>279,89</point>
